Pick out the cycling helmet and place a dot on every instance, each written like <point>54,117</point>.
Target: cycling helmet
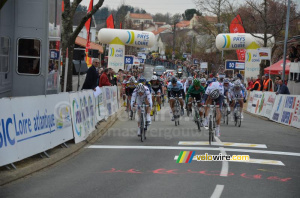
<point>190,78</point>
<point>132,79</point>
<point>142,80</point>
<point>174,80</point>
<point>226,80</point>
<point>214,94</point>
<point>154,77</point>
<point>214,79</point>
<point>140,88</point>
<point>203,80</point>
<point>237,83</point>
<point>196,82</point>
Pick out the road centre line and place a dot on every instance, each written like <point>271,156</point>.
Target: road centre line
<point>253,161</point>
<point>196,143</point>
<point>192,148</point>
<point>225,164</point>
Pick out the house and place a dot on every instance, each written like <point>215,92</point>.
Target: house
<point>195,22</point>
<point>138,21</point>
<point>157,32</point>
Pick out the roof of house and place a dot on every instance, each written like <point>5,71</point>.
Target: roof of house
<point>183,24</point>
<point>210,19</point>
<point>159,30</point>
<point>82,42</point>
<point>78,16</point>
<point>140,16</point>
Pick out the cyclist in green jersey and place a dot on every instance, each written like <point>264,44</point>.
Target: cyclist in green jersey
<point>195,91</point>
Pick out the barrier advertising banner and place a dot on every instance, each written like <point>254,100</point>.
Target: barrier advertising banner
<point>296,114</point>
<point>78,118</point>
<point>277,108</point>
<point>269,103</point>
<point>288,110</point>
<point>87,101</point>
<point>250,101</point>
<point>108,101</point>
<point>100,108</point>
<point>256,101</point>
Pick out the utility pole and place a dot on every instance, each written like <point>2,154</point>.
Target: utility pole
<point>286,38</point>
<point>173,54</point>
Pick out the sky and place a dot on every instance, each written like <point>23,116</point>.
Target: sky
<point>151,6</point>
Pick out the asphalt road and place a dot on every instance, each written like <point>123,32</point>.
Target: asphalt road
<point>120,165</point>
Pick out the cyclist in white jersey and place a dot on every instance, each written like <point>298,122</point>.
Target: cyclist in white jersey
<point>235,92</point>
<point>141,94</point>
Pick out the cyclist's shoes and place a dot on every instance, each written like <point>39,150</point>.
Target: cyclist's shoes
<point>151,113</point>
<point>242,116</point>
<point>217,130</point>
<point>158,107</point>
<point>124,104</point>
<point>205,123</point>
<point>139,132</point>
<point>182,112</point>
<point>173,118</point>
<point>201,124</point>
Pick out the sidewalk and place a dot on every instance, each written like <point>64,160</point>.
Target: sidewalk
<point>57,154</point>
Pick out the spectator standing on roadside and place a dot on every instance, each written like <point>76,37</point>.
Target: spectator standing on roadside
<point>92,76</point>
<point>267,83</point>
<point>281,87</point>
<point>257,84</point>
<point>104,81</point>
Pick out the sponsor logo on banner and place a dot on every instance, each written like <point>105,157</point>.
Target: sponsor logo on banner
<point>236,42</point>
<point>139,39</point>
<point>77,115</point>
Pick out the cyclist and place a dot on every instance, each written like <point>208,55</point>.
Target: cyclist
<point>237,92</point>
<point>130,87</point>
<point>188,83</point>
<point>140,94</point>
<point>227,86</point>
<point>195,91</point>
<point>203,83</point>
<point>214,92</point>
<point>123,92</point>
<point>156,90</point>
<point>144,82</point>
<point>175,89</point>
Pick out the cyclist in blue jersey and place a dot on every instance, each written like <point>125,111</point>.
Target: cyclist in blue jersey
<point>175,89</point>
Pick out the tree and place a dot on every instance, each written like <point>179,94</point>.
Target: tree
<point>68,36</point>
<point>260,18</point>
<point>189,14</point>
<point>81,8</point>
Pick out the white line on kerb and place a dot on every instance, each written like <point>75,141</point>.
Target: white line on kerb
<point>218,191</point>
<point>193,148</point>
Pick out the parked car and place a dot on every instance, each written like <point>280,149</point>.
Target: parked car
<point>159,70</point>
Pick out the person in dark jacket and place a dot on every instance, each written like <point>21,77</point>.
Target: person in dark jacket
<point>282,88</point>
<point>104,81</point>
<point>92,76</point>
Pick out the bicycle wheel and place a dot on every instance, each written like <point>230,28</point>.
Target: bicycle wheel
<point>210,132</point>
<point>131,114</point>
<point>235,119</point>
<point>154,113</point>
<point>240,121</point>
<point>226,117</point>
<point>142,128</point>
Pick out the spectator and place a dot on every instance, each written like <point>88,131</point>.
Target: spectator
<point>298,54</point>
<point>250,83</point>
<point>267,83</point>
<point>292,54</point>
<point>92,76</point>
<point>104,79</point>
<point>257,84</point>
<point>282,88</point>
<point>276,86</point>
<point>112,77</point>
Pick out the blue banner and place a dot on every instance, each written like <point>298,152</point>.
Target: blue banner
<point>235,65</point>
<point>128,60</point>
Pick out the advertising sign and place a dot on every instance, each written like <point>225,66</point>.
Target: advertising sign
<point>252,63</point>
<point>116,54</point>
<point>264,53</point>
<point>296,114</point>
<point>277,108</point>
<point>234,64</point>
<point>203,65</point>
<point>128,60</point>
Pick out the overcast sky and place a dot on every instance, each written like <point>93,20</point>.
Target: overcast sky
<point>151,6</point>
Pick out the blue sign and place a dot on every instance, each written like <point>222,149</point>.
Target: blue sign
<point>235,65</point>
<point>54,54</point>
<point>128,60</point>
<point>141,60</point>
<point>196,61</point>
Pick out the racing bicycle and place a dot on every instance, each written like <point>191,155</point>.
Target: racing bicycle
<point>212,121</point>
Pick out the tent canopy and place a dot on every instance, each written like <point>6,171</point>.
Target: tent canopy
<point>277,68</point>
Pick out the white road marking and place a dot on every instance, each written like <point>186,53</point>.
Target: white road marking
<point>225,164</point>
<point>218,191</point>
<point>193,148</point>
<point>233,144</point>
<point>254,161</point>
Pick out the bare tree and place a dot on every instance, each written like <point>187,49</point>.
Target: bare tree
<point>68,36</point>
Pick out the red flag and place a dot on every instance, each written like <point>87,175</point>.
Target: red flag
<point>63,6</point>
<point>236,26</point>
<point>110,22</point>
<point>88,27</point>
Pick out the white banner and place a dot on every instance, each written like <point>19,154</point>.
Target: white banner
<point>277,108</point>
<point>250,101</point>
<point>78,118</point>
<point>108,101</point>
<point>252,63</point>
<point>203,65</point>
<point>100,108</point>
<point>264,53</point>
<point>296,114</point>
<point>256,101</point>
<point>288,110</point>
<point>269,101</point>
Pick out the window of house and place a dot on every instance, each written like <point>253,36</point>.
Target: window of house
<point>29,56</point>
<point>4,54</point>
<point>136,21</point>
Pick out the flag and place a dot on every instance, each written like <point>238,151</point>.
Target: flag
<point>236,26</point>
<point>88,60</point>
<point>110,22</point>
<point>62,6</point>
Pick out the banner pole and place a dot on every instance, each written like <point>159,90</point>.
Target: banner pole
<point>66,71</point>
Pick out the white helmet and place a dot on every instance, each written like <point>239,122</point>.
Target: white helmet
<point>202,80</point>
<point>132,79</point>
<point>140,88</point>
<point>190,78</point>
<point>237,83</point>
<point>154,77</point>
